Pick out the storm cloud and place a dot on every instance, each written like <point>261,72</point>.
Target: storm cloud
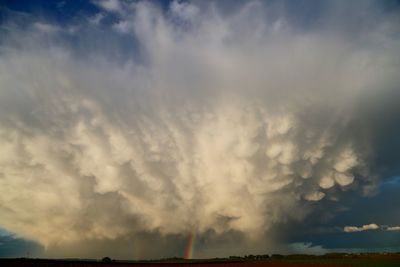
<point>139,123</point>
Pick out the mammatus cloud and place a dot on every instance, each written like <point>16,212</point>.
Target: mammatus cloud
<point>224,125</point>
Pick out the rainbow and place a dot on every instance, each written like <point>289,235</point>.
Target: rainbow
<point>190,245</point>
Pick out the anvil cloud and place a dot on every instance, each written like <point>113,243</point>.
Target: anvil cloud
<point>189,120</point>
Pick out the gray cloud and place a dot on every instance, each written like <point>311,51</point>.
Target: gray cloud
<point>228,124</point>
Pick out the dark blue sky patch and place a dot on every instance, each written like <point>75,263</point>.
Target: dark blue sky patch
<point>12,246</point>
<point>381,209</point>
<point>367,240</point>
<point>59,11</point>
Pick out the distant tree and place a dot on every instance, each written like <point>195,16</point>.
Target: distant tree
<point>106,259</point>
<point>261,257</point>
<point>251,257</point>
<point>277,256</point>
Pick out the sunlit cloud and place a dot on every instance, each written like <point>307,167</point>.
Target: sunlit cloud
<point>222,126</point>
<point>350,229</point>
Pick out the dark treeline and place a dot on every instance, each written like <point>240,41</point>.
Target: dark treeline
<point>107,261</point>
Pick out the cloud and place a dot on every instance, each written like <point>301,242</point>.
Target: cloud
<point>96,19</point>
<point>110,5</point>
<point>351,229</point>
<point>315,196</point>
<point>223,123</point>
<point>184,10</point>
<point>373,226</point>
<point>123,26</point>
<point>46,27</point>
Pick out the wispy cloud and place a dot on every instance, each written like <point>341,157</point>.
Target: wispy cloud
<point>393,228</point>
<point>46,27</point>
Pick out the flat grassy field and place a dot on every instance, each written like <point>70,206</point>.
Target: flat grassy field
<point>370,262</point>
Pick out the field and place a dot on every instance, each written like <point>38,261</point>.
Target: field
<point>316,262</point>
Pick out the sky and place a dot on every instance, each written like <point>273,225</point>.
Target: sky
<point>198,129</point>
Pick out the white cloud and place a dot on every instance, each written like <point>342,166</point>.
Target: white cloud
<point>373,226</point>
<point>393,228</point>
<point>110,5</point>
<point>350,229</point>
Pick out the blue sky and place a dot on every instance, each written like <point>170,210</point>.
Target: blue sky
<point>127,123</point>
